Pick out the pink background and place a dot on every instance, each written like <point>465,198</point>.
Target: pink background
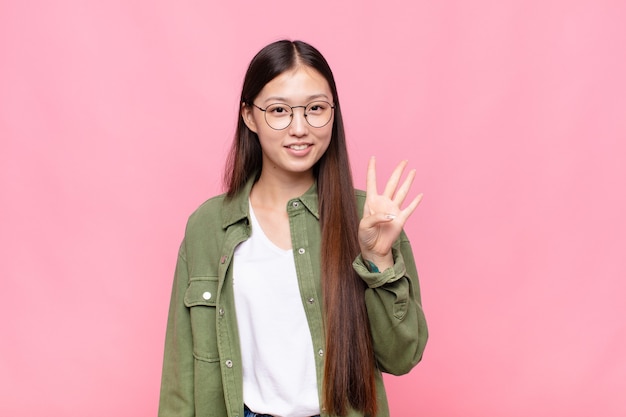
<point>115,117</point>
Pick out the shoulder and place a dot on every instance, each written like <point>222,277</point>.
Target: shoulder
<point>206,217</point>
<point>210,208</point>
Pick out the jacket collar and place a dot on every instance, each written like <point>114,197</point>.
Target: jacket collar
<point>237,209</point>
<point>310,200</point>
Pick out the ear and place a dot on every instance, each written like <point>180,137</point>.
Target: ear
<point>248,117</point>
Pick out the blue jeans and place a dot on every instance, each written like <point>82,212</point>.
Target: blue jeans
<point>248,413</point>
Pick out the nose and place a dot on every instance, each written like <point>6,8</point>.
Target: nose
<point>299,126</point>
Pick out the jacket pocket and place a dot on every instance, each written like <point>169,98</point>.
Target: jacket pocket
<point>201,298</point>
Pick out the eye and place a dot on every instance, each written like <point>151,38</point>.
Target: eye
<point>278,109</point>
<point>317,107</point>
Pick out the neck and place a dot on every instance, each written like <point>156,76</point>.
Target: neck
<point>276,190</point>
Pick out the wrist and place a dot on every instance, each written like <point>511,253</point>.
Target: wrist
<point>377,263</point>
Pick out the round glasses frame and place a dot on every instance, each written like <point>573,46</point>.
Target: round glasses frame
<point>307,110</point>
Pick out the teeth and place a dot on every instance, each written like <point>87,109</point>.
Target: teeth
<point>298,147</point>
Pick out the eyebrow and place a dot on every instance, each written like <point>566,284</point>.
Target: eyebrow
<point>285,100</point>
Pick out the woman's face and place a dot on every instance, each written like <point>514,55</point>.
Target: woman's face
<point>295,149</point>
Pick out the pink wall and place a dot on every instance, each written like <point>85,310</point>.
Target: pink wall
<point>115,118</point>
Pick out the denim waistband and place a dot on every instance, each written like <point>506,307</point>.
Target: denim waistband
<point>249,413</point>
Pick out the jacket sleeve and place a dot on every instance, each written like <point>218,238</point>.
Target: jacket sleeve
<point>177,395</point>
<point>395,312</point>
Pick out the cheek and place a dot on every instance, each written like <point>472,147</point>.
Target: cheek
<point>328,134</point>
<point>325,140</point>
<point>267,137</point>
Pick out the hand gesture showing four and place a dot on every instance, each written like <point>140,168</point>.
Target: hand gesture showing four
<point>383,216</point>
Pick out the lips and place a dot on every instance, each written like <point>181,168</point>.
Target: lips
<point>299,146</point>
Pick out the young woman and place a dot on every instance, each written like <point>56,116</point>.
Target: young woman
<point>292,291</point>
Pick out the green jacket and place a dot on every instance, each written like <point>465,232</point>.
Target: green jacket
<point>202,373</point>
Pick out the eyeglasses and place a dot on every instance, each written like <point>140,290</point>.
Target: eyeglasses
<point>278,116</point>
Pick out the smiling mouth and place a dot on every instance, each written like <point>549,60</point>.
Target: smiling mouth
<point>298,147</point>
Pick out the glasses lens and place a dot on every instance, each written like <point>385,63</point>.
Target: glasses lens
<point>278,116</point>
<point>318,113</point>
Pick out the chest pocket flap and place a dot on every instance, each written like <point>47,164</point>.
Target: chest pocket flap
<point>201,292</point>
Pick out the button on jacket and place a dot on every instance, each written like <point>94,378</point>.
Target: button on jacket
<point>202,374</point>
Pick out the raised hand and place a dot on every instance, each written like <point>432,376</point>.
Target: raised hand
<point>383,217</point>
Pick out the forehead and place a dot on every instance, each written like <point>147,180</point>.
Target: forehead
<point>296,85</point>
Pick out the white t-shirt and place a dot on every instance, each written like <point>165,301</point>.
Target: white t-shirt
<point>277,350</point>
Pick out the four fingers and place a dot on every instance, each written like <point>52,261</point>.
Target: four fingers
<point>392,191</point>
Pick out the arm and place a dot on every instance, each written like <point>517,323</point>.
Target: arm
<point>394,308</point>
<point>177,379</point>
<point>386,264</point>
